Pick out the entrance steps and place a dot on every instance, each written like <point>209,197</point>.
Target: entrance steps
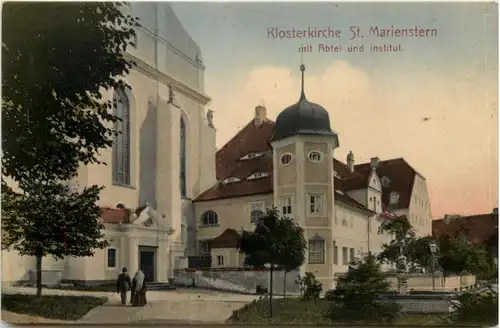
<point>159,286</point>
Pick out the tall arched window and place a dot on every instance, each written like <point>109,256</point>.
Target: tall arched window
<point>121,146</point>
<point>182,158</point>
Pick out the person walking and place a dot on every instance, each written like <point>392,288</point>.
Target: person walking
<point>123,284</point>
<point>138,297</point>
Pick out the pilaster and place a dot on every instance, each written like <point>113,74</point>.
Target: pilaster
<point>133,254</point>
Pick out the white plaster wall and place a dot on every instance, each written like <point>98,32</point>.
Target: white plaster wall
<point>420,214</point>
<point>353,235</point>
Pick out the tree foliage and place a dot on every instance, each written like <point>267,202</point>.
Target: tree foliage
<point>458,256</point>
<point>355,296</point>
<point>276,241</point>
<point>405,242</point>
<point>52,220</point>
<point>57,58</point>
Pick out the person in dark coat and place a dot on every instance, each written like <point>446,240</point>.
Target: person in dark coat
<point>123,284</point>
<point>139,289</point>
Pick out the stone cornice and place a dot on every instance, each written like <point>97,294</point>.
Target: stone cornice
<point>178,86</point>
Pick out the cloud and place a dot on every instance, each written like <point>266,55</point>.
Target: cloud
<point>381,114</point>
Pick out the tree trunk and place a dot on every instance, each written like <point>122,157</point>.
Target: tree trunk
<point>38,274</point>
<point>284,284</point>
<point>271,291</point>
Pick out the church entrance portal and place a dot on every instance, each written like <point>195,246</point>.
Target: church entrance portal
<point>147,262</point>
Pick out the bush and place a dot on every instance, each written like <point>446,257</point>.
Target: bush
<point>476,308</point>
<point>355,296</point>
<point>310,288</point>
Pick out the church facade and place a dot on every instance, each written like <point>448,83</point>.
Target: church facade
<point>158,164</point>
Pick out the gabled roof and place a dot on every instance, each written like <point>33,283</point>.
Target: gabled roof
<point>402,177</point>
<point>251,138</point>
<point>477,228</point>
<point>230,238</point>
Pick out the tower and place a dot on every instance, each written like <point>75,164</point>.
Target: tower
<point>303,145</point>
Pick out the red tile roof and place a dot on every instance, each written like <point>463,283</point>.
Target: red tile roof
<point>401,176</point>
<point>230,238</point>
<point>114,215</point>
<point>250,139</point>
<point>478,229</point>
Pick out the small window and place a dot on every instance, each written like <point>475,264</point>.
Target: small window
<point>352,254</point>
<point>111,258</point>
<point>286,159</point>
<point>316,250</point>
<point>256,212</point>
<point>286,205</point>
<point>335,255</point>
<point>209,218</point>
<point>345,260</point>
<point>220,260</point>
<point>385,181</point>
<point>205,247</point>
<point>230,180</point>
<point>315,156</point>
<point>315,204</point>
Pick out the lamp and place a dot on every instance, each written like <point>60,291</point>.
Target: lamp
<point>433,249</point>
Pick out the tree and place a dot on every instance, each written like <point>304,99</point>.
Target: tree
<point>356,293</point>
<point>55,118</point>
<point>294,255</point>
<point>53,113</point>
<point>277,242</point>
<point>458,256</point>
<point>50,219</point>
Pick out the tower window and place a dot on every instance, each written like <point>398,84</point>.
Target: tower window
<point>286,205</point>
<point>315,156</point>
<point>286,159</point>
<point>315,204</point>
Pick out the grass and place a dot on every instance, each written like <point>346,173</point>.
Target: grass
<point>51,306</point>
<point>292,311</point>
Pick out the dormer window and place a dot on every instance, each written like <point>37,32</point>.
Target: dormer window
<point>258,175</point>
<point>230,180</point>
<point>336,175</point>
<point>315,156</point>
<point>385,181</point>
<point>252,156</point>
<point>394,198</point>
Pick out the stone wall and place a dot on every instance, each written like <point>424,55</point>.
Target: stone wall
<point>424,282</point>
<point>238,280</point>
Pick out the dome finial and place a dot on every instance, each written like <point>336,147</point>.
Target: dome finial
<point>302,69</point>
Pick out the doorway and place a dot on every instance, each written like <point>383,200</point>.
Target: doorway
<point>147,262</point>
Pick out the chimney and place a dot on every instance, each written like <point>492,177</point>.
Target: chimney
<point>260,115</point>
<point>495,211</point>
<point>374,162</point>
<point>447,219</point>
<point>350,161</point>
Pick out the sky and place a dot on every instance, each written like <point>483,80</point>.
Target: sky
<point>434,103</point>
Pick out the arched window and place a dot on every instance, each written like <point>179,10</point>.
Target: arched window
<point>182,155</point>
<point>209,218</point>
<point>121,146</point>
